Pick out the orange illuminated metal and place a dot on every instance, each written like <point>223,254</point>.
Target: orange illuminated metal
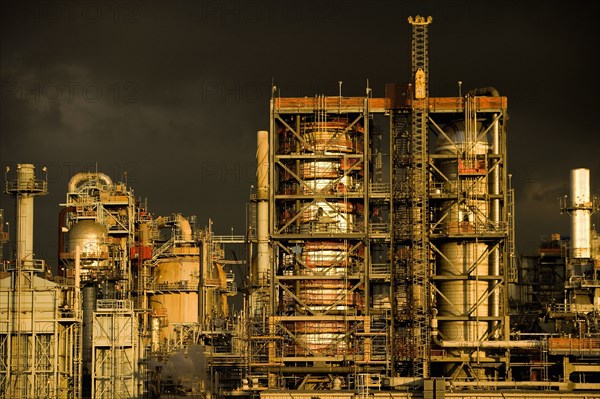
<point>380,105</point>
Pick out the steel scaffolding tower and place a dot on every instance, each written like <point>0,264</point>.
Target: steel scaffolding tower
<point>419,209</point>
<point>469,236</point>
<point>39,323</point>
<point>99,216</point>
<point>409,126</point>
<point>114,350</point>
<point>329,279</point>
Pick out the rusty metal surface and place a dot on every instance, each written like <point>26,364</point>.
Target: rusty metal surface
<point>344,104</point>
<point>574,345</point>
<point>378,105</point>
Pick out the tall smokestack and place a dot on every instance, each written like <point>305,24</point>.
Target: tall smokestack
<point>581,214</point>
<point>24,188</point>
<point>262,174</point>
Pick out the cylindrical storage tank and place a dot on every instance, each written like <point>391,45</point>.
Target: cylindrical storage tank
<point>327,258</point>
<point>467,217</point>
<point>328,186</point>
<point>469,145</point>
<point>92,239</point>
<point>329,216</point>
<point>319,169</point>
<point>463,297</point>
<point>460,141</point>
<point>327,169</point>
<point>321,338</point>
<point>321,295</point>
<point>465,175</point>
<point>581,214</point>
<point>331,136</point>
<point>322,258</point>
<point>177,281</point>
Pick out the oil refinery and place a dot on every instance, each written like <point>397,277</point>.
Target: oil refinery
<point>379,261</point>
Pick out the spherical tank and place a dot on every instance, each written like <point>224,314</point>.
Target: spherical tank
<point>91,238</point>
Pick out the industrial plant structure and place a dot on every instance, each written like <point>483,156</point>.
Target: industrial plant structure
<point>380,262</point>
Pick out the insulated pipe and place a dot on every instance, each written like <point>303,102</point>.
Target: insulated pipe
<point>78,178</point>
<point>495,218</point>
<point>524,344</point>
<point>485,91</point>
<point>529,344</point>
<point>77,280</point>
<point>581,214</point>
<point>262,174</point>
<point>184,228</point>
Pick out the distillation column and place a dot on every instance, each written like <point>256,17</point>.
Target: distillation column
<point>469,235</point>
<point>465,256</point>
<point>319,331</point>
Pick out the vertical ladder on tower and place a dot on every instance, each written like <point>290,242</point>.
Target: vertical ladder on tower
<point>513,273</point>
<point>544,360</point>
<point>419,252</point>
<point>400,345</point>
<point>76,335</point>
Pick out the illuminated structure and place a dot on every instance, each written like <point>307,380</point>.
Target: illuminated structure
<point>380,257</point>
<point>40,325</point>
<point>372,275</point>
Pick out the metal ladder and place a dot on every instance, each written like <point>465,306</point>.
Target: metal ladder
<point>419,253</point>
<point>77,360</point>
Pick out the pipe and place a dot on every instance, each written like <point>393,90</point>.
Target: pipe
<point>529,344</point>
<point>495,217</point>
<point>183,224</point>
<point>484,91</point>
<point>77,280</point>
<point>523,344</point>
<point>79,178</point>
<point>184,228</point>
<point>512,384</point>
<point>318,369</point>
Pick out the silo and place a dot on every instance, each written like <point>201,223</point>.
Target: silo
<point>175,297</point>
<point>462,218</point>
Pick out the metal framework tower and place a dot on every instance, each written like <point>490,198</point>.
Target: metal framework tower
<point>327,320</point>
<point>469,237</point>
<point>39,326</point>
<point>409,127</point>
<point>418,202</point>
<point>451,236</point>
<point>99,216</point>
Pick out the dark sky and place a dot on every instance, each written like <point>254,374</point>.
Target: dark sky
<point>173,93</point>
